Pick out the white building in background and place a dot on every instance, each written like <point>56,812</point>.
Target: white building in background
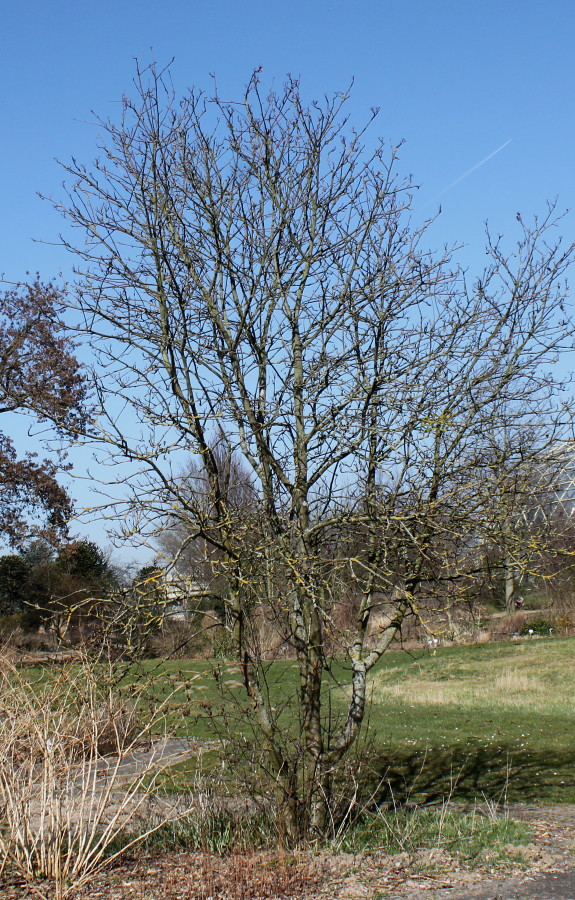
<point>180,594</point>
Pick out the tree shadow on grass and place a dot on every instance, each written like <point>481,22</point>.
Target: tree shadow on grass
<point>467,773</point>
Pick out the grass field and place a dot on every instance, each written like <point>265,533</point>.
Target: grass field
<point>490,721</point>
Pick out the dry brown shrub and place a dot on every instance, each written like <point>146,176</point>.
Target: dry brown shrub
<point>483,637</point>
<point>62,803</point>
<point>254,876</point>
<point>506,626</point>
<point>565,625</point>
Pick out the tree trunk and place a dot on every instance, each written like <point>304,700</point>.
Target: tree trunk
<point>509,577</point>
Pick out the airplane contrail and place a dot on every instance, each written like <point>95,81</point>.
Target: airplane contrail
<point>469,172</point>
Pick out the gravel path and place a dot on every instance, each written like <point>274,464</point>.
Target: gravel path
<point>159,755</point>
<point>551,877</point>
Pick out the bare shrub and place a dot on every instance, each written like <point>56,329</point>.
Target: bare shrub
<point>561,594</point>
<point>565,625</point>
<point>183,639</point>
<point>483,636</point>
<point>11,629</point>
<point>63,802</point>
<point>507,626</point>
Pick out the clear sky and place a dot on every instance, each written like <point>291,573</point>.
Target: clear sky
<point>479,88</point>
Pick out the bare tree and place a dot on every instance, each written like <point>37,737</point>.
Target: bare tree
<point>250,279</point>
<point>532,538</point>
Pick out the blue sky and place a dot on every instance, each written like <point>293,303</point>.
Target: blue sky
<point>455,81</point>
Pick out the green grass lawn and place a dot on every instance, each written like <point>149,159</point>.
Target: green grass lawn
<point>490,721</point>
<point>486,721</point>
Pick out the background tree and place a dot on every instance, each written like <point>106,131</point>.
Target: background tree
<point>38,373</point>
<point>56,589</point>
<point>77,585</point>
<point>85,561</point>
<point>534,493</point>
<point>147,606</point>
<point>251,275</point>
<point>194,556</point>
<point>14,574</point>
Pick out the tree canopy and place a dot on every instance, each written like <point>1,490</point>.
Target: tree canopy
<point>39,374</point>
<point>42,583</point>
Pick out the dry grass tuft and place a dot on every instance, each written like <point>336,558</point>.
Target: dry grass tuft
<point>515,682</point>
